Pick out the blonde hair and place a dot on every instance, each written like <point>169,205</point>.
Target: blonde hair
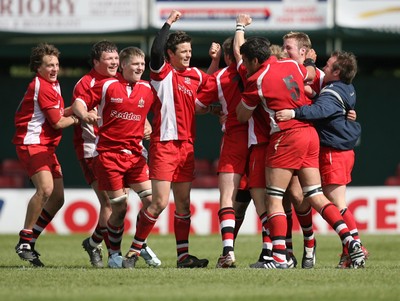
<point>303,40</point>
<point>277,51</point>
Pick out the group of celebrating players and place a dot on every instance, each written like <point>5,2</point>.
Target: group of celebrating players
<point>287,126</point>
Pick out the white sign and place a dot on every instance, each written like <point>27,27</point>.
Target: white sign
<point>221,15</point>
<point>72,16</point>
<point>383,14</point>
<point>376,210</point>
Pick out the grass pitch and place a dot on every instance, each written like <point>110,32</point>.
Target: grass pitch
<point>69,276</point>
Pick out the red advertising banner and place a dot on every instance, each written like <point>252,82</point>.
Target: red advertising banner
<point>376,210</point>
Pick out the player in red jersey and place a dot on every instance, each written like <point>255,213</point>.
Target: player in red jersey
<point>171,155</point>
<point>293,145</point>
<point>225,86</point>
<point>258,139</point>
<point>298,47</point>
<point>123,105</point>
<point>39,121</point>
<point>338,135</point>
<point>104,59</point>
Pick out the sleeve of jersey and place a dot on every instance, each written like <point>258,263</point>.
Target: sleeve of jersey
<point>250,98</point>
<point>78,90</point>
<point>303,71</point>
<point>317,83</point>
<point>325,106</point>
<point>48,98</point>
<point>52,115</point>
<point>157,48</point>
<point>90,98</point>
<point>209,93</point>
<point>242,72</point>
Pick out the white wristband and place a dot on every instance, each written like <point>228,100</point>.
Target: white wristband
<point>240,27</point>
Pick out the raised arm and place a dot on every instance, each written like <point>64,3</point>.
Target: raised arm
<point>215,54</point>
<point>157,56</point>
<point>242,20</point>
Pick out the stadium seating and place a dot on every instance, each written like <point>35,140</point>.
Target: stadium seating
<point>394,180</point>
<point>12,174</point>
<point>205,174</point>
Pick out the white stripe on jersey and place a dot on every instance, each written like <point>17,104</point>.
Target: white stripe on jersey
<point>103,101</point>
<point>34,127</point>
<point>252,137</point>
<point>221,96</point>
<point>165,93</point>
<point>101,108</point>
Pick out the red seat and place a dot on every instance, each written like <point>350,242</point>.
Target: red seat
<point>207,181</point>
<point>393,181</point>
<point>214,165</point>
<point>12,181</point>
<point>202,167</point>
<point>12,167</point>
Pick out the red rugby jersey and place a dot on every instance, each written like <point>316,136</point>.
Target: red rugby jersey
<point>174,109</point>
<point>31,124</point>
<point>225,86</point>
<point>122,108</point>
<point>277,85</point>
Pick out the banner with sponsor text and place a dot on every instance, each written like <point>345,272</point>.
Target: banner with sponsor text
<point>210,15</point>
<point>376,210</point>
<point>381,15</point>
<point>72,16</point>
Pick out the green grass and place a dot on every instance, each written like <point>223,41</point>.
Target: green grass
<point>68,275</point>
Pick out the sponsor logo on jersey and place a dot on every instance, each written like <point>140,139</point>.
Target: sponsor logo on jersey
<point>116,99</point>
<point>125,115</point>
<point>184,90</point>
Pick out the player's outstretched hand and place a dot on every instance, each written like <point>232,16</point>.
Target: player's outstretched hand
<point>215,50</point>
<point>174,16</point>
<point>244,19</point>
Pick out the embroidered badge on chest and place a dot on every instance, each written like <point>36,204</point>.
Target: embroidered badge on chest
<point>141,102</point>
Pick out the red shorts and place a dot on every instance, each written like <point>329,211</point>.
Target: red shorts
<point>335,166</point>
<point>294,149</point>
<point>234,152</point>
<point>115,171</point>
<point>172,161</point>
<point>36,158</point>
<point>87,168</point>
<point>256,166</point>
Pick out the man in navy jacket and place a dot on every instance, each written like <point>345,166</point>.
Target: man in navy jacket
<point>338,134</point>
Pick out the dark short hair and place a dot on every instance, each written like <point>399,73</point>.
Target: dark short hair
<point>174,39</point>
<point>39,52</point>
<point>99,48</point>
<point>256,47</point>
